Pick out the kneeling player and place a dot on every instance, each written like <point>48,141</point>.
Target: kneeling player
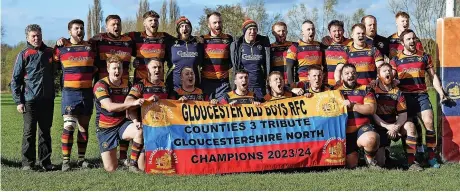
<point>187,90</point>
<point>241,95</point>
<point>360,102</point>
<point>314,83</point>
<point>275,86</point>
<point>111,124</point>
<point>391,115</point>
<point>152,89</point>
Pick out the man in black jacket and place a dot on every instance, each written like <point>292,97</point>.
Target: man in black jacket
<point>372,38</point>
<point>32,86</point>
<point>251,52</point>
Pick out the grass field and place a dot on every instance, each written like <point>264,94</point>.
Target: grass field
<point>12,178</point>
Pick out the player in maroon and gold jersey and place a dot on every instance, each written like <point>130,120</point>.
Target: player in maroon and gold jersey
<point>402,23</point>
<point>111,123</point>
<point>363,56</point>
<point>278,49</point>
<point>360,102</point>
<point>315,83</point>
<point>113,43</point>
<point>305,53</point>
<point>76,58</point>
<point>275,86</point>
<point>411,65</point>
<point>215,71</point>
<point>336,51</point>
<point>188,90</point>
<point>390,118</point>
<point>149,44</point>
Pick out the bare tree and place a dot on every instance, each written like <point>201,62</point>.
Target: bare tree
<point>128,25</point>
<point>96,18</point>
<point>255,10</point>
<point>163,18</point>
<point>296,16</point>
<point>143,8</point>
<point>89,29</point>
<point>2,27</point>
<point>174,14</point>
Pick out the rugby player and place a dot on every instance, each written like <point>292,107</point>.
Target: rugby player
<point>307,52</point>
<point>77,59</point>
<point>315,83</point>
<point>363,56</point>
<point>336,51</point>
<point>187,90</point>
<point>411,65</point>
<point>242,94</point>
<point>360,102</point>
<point>390,118</point>
<point>275,86</point>
<point>215,71</point>
<point>278,49</point>
<point>111,123</point>
<point>402,23</point>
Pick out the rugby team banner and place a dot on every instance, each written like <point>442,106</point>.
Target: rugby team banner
<point>199,138</point>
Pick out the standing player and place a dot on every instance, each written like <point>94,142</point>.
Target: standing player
<point>360,102</point>
<point>315,83</point>
<point>106,45</point>
<point>77,59</point>
<point>336,51</point>
<point>275,86</point>
<point>216,64</point>
<point>149,44</point>
<point>242,94</point>
<point>278,49</point>
<point>363,56</point>
<point>112,43</point>
<point>187,90</point>
<point>251,52</point>
<point>111,123</point>
<point>390,118</point>
<point>411,65</point>
<point>307,52</point>
<point>402,23</point>
<point>185,51</point>
<point>372,38</point>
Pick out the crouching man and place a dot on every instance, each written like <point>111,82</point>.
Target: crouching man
<point>111,123</point>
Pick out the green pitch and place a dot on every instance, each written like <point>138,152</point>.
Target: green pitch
<point>12,178</point>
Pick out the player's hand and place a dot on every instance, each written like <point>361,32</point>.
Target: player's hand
<point>297,91</point>
<point>308,95</point>
<point>138,102</point>
<point>392,134</point>
<point>153,98</point>
<point>445,99</point>
<point>60,42</point>
<point>256,103</point>
<point>346,103</point>
<point>183,99</point>
<point>21,108</point>
<point>213,102</point>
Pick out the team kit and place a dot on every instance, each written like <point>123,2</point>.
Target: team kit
<point>381,79</point>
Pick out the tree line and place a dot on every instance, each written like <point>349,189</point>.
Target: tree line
<point>423,20</point>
